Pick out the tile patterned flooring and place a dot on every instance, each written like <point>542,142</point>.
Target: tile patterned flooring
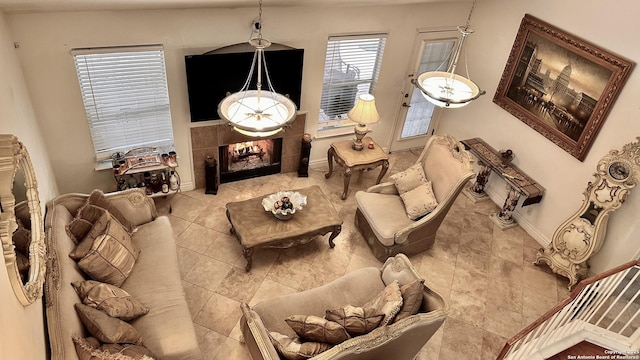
<point>486,273</point>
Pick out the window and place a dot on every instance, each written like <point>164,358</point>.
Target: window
<point>351,68</point>
<point>125,96</point>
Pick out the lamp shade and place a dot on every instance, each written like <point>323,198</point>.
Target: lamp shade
<point>446,89</point>
<point>364,112</point>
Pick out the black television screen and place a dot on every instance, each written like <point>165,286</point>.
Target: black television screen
<point>211,76</point>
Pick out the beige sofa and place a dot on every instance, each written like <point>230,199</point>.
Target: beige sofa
<point>167,330</point>
<point>400,340</point>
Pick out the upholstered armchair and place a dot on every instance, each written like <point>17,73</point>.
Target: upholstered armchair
<point>382,218</point>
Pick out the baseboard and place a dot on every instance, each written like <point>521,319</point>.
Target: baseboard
<point>498,199</point>
<point>187,186</point>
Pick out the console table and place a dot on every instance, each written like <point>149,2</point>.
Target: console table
<point>519,183</point>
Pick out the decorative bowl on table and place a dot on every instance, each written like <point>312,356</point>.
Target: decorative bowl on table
<point>284,204</point>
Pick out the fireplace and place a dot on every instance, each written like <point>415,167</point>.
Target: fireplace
<point>250,159</point>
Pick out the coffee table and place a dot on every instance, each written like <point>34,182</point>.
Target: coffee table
<point>255,228</point>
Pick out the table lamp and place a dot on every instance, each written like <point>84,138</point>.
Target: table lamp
<point>364,112</point>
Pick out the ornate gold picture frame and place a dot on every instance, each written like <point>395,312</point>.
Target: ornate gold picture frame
<point>560,85</point>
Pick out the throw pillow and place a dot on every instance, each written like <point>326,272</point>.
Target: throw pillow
<point>315,328</point>
<point>294,349</point>
<point>91,349</point>
<point>411,299</point>
<point>409,179</point>
<point>356,320</point>
<point>112,256</point>
<point>106,328</point>
<point>97,228</point>
<point>97,198</point>
<point>114,301</point>
<point>419,201</point>
<point>388,302</point>
<point>81,225</point>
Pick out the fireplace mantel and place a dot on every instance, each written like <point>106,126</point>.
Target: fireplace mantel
<point>205,141</point>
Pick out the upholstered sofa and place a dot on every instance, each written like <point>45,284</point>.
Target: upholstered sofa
<point>167,329</point>
<point>402,339</point>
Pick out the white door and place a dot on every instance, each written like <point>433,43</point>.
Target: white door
<point>417,118</point>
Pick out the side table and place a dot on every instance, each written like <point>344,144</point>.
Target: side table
<point>350,160</point>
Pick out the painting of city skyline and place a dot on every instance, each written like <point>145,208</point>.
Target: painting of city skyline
<point>560,85</point>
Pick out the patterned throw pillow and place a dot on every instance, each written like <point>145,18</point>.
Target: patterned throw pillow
<point>411,299</point>
<point>91,349</point>
<point>294,349</point>
<point>111,257</point>
<point>97,198</point>
<point>106,328</point>
<point>100,218</point>
<point>114,301</point>
<point>315,328</point>
<point>356,320</point>
<point>416,192</point>
<point>388,302</point>
<point>419,201</point>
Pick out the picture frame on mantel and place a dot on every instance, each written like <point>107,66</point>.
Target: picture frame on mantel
<point>560,85</point>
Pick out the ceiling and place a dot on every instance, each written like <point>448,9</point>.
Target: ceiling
<point>28,6</point>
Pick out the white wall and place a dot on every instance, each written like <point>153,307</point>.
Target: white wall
<point>611,26</point>
<point>46,40</point>
<point>21,328</point>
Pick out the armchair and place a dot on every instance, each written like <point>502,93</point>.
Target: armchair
<point>381,217</point>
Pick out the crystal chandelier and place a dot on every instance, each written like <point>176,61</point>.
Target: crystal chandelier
<point>257,113</point>
<point>447,89</point>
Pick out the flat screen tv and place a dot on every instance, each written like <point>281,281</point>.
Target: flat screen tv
<point>211,76</point>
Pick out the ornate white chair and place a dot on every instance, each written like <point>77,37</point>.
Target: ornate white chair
<point>381,216</point>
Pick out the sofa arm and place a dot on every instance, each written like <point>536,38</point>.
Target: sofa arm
<point>256,335</point>
<point>384,188</point>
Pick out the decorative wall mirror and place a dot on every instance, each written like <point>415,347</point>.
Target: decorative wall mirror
<point>21,226</point>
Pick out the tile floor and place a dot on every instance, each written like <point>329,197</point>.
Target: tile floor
<point>486,273</point>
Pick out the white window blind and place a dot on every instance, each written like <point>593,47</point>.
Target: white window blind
<point>352,65</point>
<point>126,98</point>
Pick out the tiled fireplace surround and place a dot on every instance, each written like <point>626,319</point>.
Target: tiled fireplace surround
<point>205,141</point>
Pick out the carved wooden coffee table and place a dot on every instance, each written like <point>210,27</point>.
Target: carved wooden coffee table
<point>255,228</point>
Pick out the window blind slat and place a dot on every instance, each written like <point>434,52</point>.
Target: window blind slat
<point>126,99</point>
<point>352,66</point>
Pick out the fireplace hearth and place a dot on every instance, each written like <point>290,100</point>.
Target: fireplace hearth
<point>248,159</point>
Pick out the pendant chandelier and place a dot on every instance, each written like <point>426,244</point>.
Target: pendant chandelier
<point>257,113</point>
<point>448,89</point>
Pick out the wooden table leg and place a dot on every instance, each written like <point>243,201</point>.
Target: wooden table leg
<point>385,167</point>
<point>347,179</point>
<point>330,154</point>
<point>334,234</point>
<point>248,253</point>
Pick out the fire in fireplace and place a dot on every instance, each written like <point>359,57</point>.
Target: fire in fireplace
<point>249,159</point>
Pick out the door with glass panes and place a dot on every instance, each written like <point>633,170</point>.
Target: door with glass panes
<point>417,118</point>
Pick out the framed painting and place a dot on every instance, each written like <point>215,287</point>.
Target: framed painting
<point>560,85</point>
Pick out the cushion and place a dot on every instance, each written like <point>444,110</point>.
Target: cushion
<point>419,201</point>
<point>97,228</point>
<point>80,226</point>
<point>409,179</point>
<point>91,349</point>
<point>97,198</point>
<point>388,302</point>
<point>106,328</point>
<point>416,191</point>
<point>110,299</point>
<point>411,299</point>
<point>315,328</point>
<point>356,320</point>
<point>112,256</point>
<point>294,349</point>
